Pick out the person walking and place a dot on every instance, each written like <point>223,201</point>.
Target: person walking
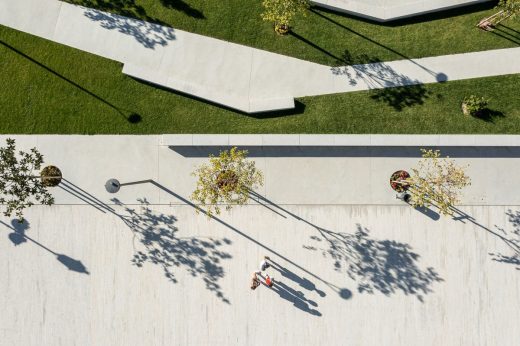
<point>268,281</point>
<point>264,265</point>
<point>254,282</point>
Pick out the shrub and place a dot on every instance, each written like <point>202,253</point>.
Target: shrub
<point>472,104</point>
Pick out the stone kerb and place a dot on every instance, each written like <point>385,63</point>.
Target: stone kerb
<point>340,140</point>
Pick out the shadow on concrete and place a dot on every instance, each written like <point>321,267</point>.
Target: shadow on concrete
<point>386,266</point>
<point>428,212</point>
<point>86,197</point>
<point>132,118</point>
<point>18,237</point>
<point>147,34</point>
<point>351,151</point>
<point>301,281</point>
<point>183,7</point>
<point>511,240</point>
<point>297,298</point>
<point>160,245</point>
<point>343,292</point>
<point>440,76</point>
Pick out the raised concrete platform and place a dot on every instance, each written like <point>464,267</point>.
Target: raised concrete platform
<point>247,79</point>
<point>342,140</point>
<point>387,10</point>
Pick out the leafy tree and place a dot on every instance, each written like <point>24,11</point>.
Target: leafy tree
<point>281,12</point>
<point>436,181</point>
<point>19,186</point>
<point>510,7</point>
<point>227,179</point>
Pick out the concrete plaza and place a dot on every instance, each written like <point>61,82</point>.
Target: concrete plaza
<point>353,265</point>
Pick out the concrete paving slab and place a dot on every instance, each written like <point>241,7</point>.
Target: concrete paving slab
<point>72,278</point>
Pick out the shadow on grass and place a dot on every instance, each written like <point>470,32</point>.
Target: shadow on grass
<point>132,118</point>
<point>19,236</point>
<point>299,107</point>
<point>489,115</point>
<point>386,84</point>
<point>183,7</point>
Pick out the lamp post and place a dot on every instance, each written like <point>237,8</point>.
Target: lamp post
<point>113,185</point>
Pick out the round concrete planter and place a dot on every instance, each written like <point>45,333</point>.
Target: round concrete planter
<point>51,176</point>
<point>396,176</point>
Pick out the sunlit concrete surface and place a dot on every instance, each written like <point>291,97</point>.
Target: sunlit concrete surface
<point>353,265</point>
<point>357,275</point>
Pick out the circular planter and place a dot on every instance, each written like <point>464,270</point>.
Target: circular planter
<point>227,180</point>
<point>465,110</point>
<point>50,176</point>
<point>281,29</point>
<point>396,176</point>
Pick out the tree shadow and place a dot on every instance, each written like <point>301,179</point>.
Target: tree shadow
<point>513,241</point>
<point>18,237</point>
<point>184,7</point>
<point>132,118</point>
<point>343,292</point>
<point>297,298</point>
<point>127,8</point>
<point>489,115</point>
<point>387,85</point>
<point>385,266</point>
<point>160,245</point>
<point>148,34</point>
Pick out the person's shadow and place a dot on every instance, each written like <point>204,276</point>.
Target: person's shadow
<point>303,282</point>
<point>296,297</point>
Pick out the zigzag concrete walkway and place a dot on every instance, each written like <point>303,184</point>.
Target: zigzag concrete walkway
<point>236,76</point>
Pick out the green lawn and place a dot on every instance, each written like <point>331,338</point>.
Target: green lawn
<point>323,36</point>
<point>50,88</point>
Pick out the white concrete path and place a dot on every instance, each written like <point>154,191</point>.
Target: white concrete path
<point>236,76</point>
<point>293,175</point>
<point>354,265</point>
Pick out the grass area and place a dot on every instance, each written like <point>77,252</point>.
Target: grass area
<point>50,88</point>
<point>324,36</point>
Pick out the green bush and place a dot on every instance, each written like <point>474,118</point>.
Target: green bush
<point>472,104</point>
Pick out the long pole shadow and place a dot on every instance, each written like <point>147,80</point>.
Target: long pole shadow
<point>440,76</point>
<point>133,118</point>
<point>341,291</point>
<point>463,216</point>
<point>18,237</point>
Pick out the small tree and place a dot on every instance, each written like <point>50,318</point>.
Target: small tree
<point>19,185</point>
<point>227,179</point>
<point>436,181</point>
<point>281,12</point>
<point>511,7</point>
<point>508,9</point>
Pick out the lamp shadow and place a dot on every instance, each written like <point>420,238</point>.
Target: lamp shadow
<point>384,266</point>
<point>184,7</point>
<point>131,118</point>
<point>19,236</point>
